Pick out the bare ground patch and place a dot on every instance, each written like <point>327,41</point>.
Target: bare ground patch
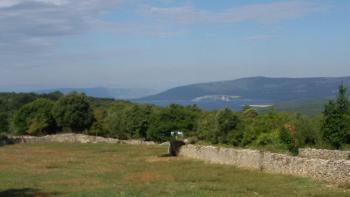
<point>161,159</point>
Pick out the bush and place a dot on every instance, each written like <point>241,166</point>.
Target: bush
<point>288,139</point>
<point>307,131</point>
<point>250,135</point>
<point>270,138</point>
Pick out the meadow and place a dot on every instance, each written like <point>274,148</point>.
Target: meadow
<point>135,170</point>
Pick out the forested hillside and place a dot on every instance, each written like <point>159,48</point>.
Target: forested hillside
<point>253,91</point>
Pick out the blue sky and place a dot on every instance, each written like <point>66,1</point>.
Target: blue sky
<point>164,43</point>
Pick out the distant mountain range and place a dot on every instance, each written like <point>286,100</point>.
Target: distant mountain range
<point>286,94</point>
<point>254,91</point>
<point>101,92</point>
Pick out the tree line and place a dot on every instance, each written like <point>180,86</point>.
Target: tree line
<point>41,114</point>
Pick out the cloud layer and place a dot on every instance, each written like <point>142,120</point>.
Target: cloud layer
<point>30,28</point>
<point>32,22</point>
<point>261,13</point>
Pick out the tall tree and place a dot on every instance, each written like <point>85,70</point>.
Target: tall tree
<point>35,118</point>
<point>335,123</point>
<point>73,112</point>
<point>225,122</point>
<point>172,118</point>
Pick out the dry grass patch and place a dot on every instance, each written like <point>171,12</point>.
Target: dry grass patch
<point>146,177</point>
<point>86,183</point>
<point>161,159</point>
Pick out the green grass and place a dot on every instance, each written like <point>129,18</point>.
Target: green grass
<point>126,170</point>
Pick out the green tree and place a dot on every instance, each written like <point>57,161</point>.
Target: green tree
<point>335,123</point>
<point>172,118</point>
<point>115,120</point>
<point>35,118</point>
<point>98,127</point>
<point>225,122</point>
<point>126,121</point>
<point>73,112</point>
<point>307,130</point>
<point>287,138</point>
<point>206,126</point>
<point>4,123</point>
<point>138,120</point>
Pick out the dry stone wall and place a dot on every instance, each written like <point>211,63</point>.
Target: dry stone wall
<point>324,154</point>
<point>75,138</point>
<point>333,171</point>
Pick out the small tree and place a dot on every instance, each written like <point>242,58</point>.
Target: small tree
<point>335,123</point>
<point>73,112</point>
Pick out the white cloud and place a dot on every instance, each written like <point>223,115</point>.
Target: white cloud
<point>28,19</point>
<point>11,3</point>
<point>261,13</point>
<point>30,26</point>
<point>30,23</point>
<point>8,3</point>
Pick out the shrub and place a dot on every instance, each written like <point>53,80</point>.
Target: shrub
<point>307,131</point>
<point>249,136</point>
<point>288,139</point>
<point>270,138</point>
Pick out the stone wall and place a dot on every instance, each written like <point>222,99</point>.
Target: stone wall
<point>75,138</point>
<point>333,171</point>
<point>324,154</point>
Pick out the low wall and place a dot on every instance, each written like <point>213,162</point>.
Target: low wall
<point>333,171</point>
<point>324,154</point>
<point>243,158</point>
<point>75,138</point>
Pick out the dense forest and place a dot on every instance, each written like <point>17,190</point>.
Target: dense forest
<point>41,114</point>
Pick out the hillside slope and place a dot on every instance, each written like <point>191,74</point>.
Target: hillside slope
<point>101,92</point>
<point>250,91</point>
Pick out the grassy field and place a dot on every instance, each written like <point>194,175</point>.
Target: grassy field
<point>127,170</point>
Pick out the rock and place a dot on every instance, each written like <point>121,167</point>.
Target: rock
<point>191,140</point>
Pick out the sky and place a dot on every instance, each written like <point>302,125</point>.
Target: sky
<point>166,43</point>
